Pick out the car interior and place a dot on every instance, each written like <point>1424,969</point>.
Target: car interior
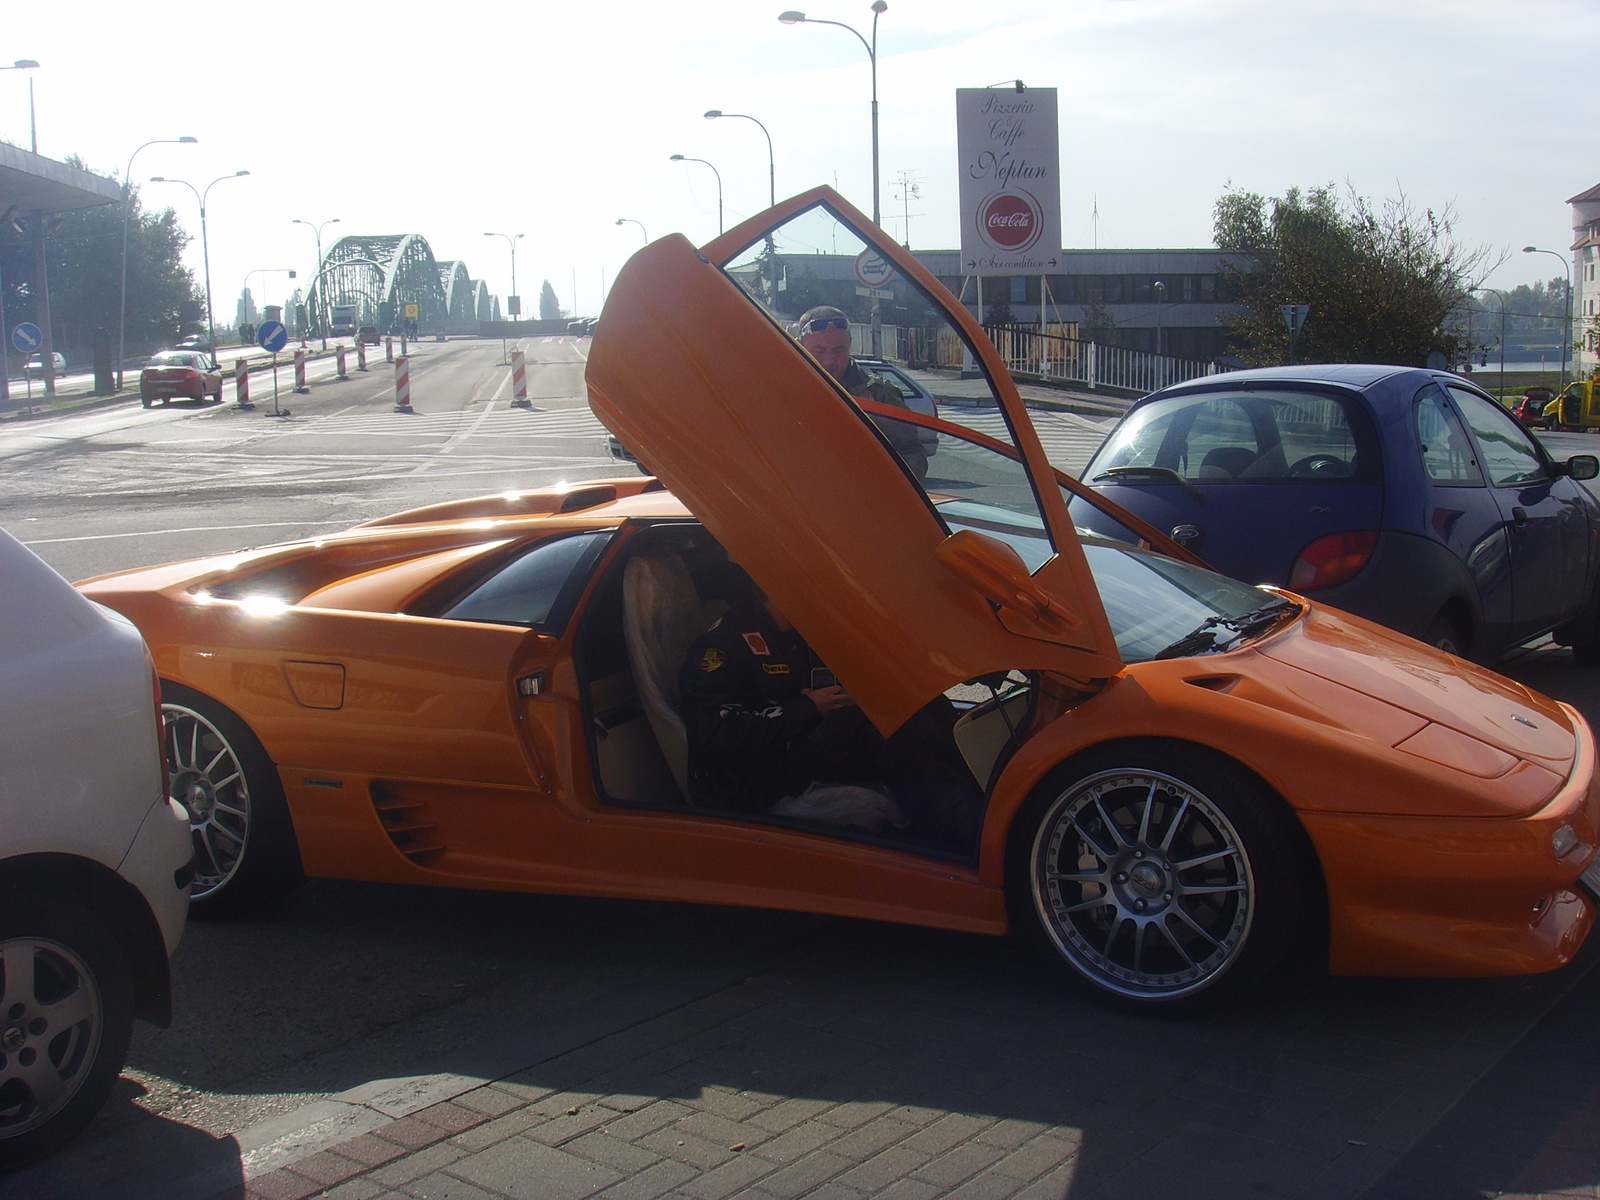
<point>668,584</point>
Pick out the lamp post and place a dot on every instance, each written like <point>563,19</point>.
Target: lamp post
<point>772,200</point>
<point>1161,294</point>
<point>205,246</point>
<point>640,224</point>
<point>515,297</point>
<point>322,292</point>
<point>1502,296</point>
<point>1566,327</point>
<point>127,196</point>
<point>27,64</point>
<point>714,171</point>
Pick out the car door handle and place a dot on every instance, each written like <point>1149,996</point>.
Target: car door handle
<point>1519,517</point>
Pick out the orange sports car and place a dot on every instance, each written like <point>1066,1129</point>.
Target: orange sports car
<point>1177,782</point>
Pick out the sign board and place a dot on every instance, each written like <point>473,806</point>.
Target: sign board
<point>27,337</point>
<point>1010,151</point>
<point>272,336</point>
<point>873,270</point>
<point>514,305</point>
<point>876,293</point>
<point>413,311</point>
<point>1294,316</point>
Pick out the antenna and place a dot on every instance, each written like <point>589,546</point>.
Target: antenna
<point>910,189</point>
<point>1094,220</point>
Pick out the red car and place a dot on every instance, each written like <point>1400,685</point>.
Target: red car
<point>1530,408</point>
<point>191,374</point>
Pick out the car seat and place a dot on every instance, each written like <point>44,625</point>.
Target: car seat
<point>1226,462</point>
<point>661,617</point>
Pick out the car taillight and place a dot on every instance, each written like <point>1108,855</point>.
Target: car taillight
<point>1332,559</point>
<point>190,373</point>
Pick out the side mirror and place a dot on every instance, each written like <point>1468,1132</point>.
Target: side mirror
<point>997,573</point>
<point>1583,466</point>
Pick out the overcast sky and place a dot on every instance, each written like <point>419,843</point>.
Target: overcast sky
<point>555,119</point>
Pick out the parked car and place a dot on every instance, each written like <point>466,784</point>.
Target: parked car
<point>1178,781</point>
<point>1405,496</point>
<point>1529,408</point>
<point>368,335</point>
<point>94,859</point>
<point>186,374</point>
<point>35,364</point>
<point>918,399</point>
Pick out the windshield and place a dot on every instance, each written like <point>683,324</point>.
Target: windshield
<point>1253,436</point>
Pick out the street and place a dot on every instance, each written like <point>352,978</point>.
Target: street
<point>652,1047</point>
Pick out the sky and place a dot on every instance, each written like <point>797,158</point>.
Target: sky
<point>555,119</point>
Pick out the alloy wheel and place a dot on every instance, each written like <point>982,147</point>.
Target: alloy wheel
<point>210,783</point>
<point>51,1021</point>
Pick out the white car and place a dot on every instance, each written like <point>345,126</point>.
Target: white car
<point>36,364</point>
<point>95,860</point>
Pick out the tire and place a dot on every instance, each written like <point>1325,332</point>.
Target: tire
<point>1444,633</point>
<point>1128,920</point>
<point>66,1015</point>
<point>245,852</point>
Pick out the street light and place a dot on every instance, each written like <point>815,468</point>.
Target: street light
<point>514,298</point>
<point>1566,331</point>
<point>1502,296</point>
<point>27,64</point>
<point>772,200</point>
<point>640,224</point>
<point>322,293</point>
<point>1161,294</point>
<point>127,195</point>
<point>205,246</point>
<point>878,9</point>
<point>714,171</point>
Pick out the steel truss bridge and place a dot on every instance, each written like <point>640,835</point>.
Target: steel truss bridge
<point>382,274</point>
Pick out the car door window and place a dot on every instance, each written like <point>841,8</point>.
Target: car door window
<point>1448,458</point>
<point>1509,455</point>
<point>538,588</point>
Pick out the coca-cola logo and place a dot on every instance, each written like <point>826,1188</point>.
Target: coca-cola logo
<point>1010,220</point>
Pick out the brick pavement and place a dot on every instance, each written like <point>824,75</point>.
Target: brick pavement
<point>910,1064</point>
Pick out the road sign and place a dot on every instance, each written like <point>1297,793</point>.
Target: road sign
<point>272,336</point>
<point>876,293</point>
<point>1294,316</point>
<point>873,270</point>
<point>514,306</point>
<point>27,337</point>
<point>413,311</point>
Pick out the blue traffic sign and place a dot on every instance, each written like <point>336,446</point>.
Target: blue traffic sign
<point>272,336</point>
<point>27,337</point>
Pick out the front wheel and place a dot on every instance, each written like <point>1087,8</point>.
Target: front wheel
<point>65,1020</point>
<point>245,853</point>
<point>1163,877</point>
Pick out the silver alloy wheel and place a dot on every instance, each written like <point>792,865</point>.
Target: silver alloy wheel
<point>1143,884</point>
<point>51,1019</point>
<point>209,781</point>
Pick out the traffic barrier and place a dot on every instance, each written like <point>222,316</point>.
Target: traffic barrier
<point>519,380</point>
<point>361,356</point>
<point>300,373</point>
<point>338,357</point>
<point>241,382</point>
<point>403,344</point>
<point>402,385</point>
<point>388,349</point>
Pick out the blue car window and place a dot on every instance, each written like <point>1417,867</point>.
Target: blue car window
<point>1509,455</point>
<point>1447,455</point>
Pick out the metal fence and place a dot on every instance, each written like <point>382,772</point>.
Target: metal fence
<point>1048,356</point>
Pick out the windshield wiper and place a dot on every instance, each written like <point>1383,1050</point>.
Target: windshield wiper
<point>1218,633</point>
<point>1153,474</point>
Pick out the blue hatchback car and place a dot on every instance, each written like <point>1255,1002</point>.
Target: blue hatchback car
<point>1405,496</point>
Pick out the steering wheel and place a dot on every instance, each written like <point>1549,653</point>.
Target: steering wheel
<point>1316,464</point>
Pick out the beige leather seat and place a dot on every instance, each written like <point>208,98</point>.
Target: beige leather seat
<point>661,617</point>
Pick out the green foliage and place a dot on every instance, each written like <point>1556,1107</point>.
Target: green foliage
<point>549,306</point>
<point>83,256</point>
<point>1385,284</point>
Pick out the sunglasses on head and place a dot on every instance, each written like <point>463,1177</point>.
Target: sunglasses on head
<point>818,324</point>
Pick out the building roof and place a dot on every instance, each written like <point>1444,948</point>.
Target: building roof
<point>32,183</point>
<point>1592,194</point>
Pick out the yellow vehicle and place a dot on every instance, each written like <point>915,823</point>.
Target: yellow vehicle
<point>1576,408</point>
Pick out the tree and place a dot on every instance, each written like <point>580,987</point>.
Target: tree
<point>83,257</point>
<point>549,307</point>
<point>1386,284</point>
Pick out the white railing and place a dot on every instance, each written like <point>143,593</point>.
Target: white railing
<point>1053,357</point>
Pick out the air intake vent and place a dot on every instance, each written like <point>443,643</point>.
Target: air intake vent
<point>406,822</point>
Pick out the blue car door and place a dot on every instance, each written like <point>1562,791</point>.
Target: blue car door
<point>1246,477</point>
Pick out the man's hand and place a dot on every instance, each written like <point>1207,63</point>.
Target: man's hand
<point>828,700</point>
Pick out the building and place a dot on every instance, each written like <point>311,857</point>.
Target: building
<point>1585,284</point>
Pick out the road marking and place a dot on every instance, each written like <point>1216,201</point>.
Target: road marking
<point>101,537</point>
<point>455,440</point>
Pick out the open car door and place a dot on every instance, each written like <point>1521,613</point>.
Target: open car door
<point>909,568</point>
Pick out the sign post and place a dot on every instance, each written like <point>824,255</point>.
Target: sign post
<point>272,337</point>
<point>1010,186</point>
<point>1294,316</point>
<point>27,337</point>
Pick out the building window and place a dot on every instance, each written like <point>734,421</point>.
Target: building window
<point>1019,289</point>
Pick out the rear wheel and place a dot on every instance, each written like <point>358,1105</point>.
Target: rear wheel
<point>65,1020</point>
<point>245,853</point>
<point>1163,877</point>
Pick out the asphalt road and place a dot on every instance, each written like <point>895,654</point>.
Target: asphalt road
<point>348,983</point>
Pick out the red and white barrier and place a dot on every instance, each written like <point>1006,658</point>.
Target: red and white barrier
<point>519,380</point>
<point>402,385</point>
<point>403,347</point>
<point>361,356</point>
<point>241,382</point>
<point>338,357</point>
<point>300,373</point>
<point>388,349</point>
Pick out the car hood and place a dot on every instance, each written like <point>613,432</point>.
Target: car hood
<point>1438,688</point>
